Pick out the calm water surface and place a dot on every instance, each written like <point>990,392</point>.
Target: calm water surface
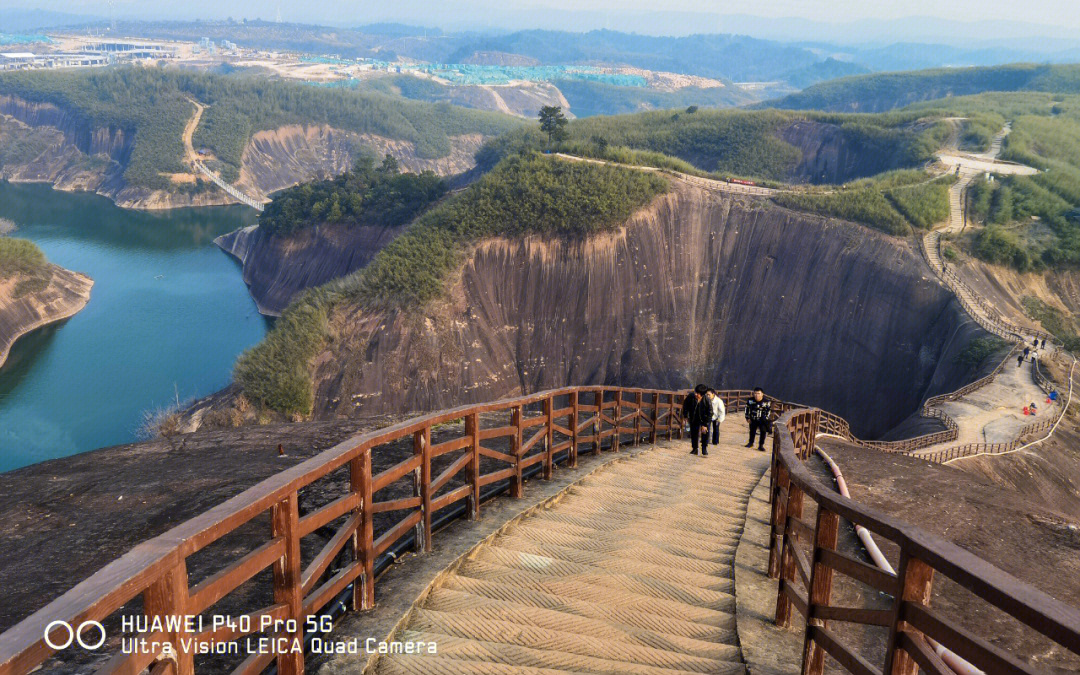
<point>167,317</point>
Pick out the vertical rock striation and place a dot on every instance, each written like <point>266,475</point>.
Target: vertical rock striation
<point>697,287</point>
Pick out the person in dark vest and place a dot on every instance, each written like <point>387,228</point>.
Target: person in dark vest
<point>758,409</point>
<point>697,411</point>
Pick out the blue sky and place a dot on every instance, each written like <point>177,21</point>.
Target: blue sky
<point>1053,17</point>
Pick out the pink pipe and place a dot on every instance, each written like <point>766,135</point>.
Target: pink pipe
<point>953,661</point>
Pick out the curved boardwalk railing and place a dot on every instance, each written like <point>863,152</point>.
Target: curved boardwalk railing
<point>804,556</point>
<point>540,430</point>
<point>490,444</point>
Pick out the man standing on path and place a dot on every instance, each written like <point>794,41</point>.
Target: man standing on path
<point>697,412</point>
<point>1020,358</point>
<point>718,414</point>
<point>757,414</point>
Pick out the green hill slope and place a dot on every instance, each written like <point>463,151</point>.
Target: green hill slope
<point>885,91</point>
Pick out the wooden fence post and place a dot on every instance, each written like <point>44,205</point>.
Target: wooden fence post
<point>572,461</point>
<point>422,487</point>
<point>549,435</point>
<point>655,418</point>
<point>366,598</point>
<point>618,420</point>
<point>787,559</point>
<point>515,452</point>
<point>916,582</point>
<point>637,418</point>
<point>826,534</point>
<point>671,415</point>
<point>168,597</point>
<point>598,399</point>
<point>472,428</point>
<point>781,483</point>
<point>285,522</point>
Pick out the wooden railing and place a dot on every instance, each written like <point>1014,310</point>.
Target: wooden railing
<point>496,443</point>
<point>805,558</point>
<point>1021,441</point>
<point>495,446</point>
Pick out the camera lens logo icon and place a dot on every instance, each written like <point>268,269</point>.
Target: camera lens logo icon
<point>86,630</point>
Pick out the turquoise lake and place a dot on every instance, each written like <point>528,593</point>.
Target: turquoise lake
<point>167,317</point>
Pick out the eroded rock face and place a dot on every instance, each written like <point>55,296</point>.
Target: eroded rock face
<point>277,268</point>
<point>66,294</point>
<point>696,288</point>
<point>58,147</point>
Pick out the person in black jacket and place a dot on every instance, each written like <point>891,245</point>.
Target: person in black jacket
<point>758,409</point>
<point>698,413</point>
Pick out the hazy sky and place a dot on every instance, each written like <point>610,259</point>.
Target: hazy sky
<point>663,15</point>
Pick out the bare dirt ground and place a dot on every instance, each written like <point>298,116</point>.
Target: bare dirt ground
<point>1017,532</point>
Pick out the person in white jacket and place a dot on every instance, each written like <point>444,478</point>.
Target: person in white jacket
<point>718,414</point>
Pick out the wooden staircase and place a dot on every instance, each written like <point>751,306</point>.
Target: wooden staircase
<point>630,571</point>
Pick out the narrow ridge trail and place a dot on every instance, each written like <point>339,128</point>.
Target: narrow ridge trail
<point>193,159</point>
<point>992,413</point>
<point>629,570</point>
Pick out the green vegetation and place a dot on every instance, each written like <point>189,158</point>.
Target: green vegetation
<point>553,123</point>
<point>736,142</point>
<point>893,202</point>
<point>152,104</point>
<point>978,350</point>
<point>1033,222</point>
<point>524,194</point>
<point>23,259</point>
<point>588,99</point>
<point>365,195</point>
<point>1061,327</point>
<point>879,92</point>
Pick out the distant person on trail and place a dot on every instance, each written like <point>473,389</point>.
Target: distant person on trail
<point>1035,343</point>
<point>1033,408</point>
<point>1043,345</point>
<point>1020,359</point>
<point>758,410</point>
<point>1027,350</point>
<point>697,412</point>
<point>718,414</point>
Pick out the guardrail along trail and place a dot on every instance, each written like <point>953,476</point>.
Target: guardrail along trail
<point>630,571</point>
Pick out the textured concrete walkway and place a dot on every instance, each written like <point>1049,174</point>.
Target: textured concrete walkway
<point>629,571</point>
<point>994,413</point>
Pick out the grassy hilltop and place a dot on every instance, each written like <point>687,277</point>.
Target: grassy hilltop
<point>879,92</point>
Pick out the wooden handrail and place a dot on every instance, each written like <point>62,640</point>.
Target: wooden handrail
<point>922,556</point>
<point>613,416</point>
<point>145,568</point>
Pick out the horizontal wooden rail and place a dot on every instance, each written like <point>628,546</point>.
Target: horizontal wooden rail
<point>912,626</point>
<point>572,418</point>
<point>157,569</point>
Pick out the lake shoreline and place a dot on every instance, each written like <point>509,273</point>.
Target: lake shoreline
<point>168,317</point>
<point>66,295</point>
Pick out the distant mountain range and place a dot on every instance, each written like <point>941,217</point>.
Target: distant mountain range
<point>726,56</point>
